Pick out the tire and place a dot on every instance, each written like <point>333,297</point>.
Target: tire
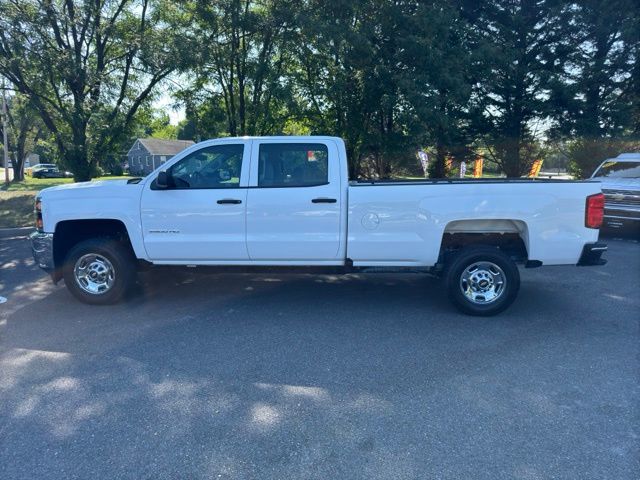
<point>482,280</point>
<point>99,271</point>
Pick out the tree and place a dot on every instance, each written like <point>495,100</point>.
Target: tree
<point>240,55</point>
<point>440,65</point>
<point>524,42</point>
<point>86,67</point>
<point>349,83</point>
<point>596,91</point>
<point>151,122</point>
<point>25,129</point>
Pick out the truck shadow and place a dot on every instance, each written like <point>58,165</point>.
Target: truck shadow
<point>325,368</point>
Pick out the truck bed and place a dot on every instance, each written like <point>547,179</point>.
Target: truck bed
<point>404,222</point>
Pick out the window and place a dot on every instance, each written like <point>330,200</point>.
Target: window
<point>615,169</point>
<point>210,167</point>
<point>148,160</point>
<point>163,158</point>
<point>292,164</point>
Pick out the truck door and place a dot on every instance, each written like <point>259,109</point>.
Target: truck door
<point>201,216</point>
<point>294,201</point>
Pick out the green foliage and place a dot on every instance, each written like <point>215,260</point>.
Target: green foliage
<point>24,131</point>
<point>151,123</point>
<point>500,78</point>
<point>87,67</point>
<point>240,53</point>
<point>523,43</point>
<point>596,93</point>
<point>349,76</point>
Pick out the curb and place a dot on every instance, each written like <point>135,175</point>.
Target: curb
<point>15,232</point>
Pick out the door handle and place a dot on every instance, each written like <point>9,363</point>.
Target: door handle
<point>324,200</point>
<point>229,201</point>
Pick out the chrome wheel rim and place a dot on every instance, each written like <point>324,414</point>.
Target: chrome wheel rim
<point>94,274</point>
<point>483,282</point>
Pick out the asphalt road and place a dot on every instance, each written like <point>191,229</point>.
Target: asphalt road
<point>287,377</point>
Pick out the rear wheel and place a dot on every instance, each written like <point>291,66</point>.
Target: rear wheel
<point>482,280</point>
<point>99,271</point>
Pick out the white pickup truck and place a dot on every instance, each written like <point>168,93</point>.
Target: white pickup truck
<point>287,202</point>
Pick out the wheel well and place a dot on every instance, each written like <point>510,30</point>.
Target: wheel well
<point>71,232</point>
<point>510,236</point>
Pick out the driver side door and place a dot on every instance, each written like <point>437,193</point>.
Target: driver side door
<point>200,217</point>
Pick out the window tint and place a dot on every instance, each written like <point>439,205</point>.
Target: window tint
<point>615,169</point>
<point>210,167</point>
<point>292,164</point>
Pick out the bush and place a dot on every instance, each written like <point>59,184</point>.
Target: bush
<point>117,170</point>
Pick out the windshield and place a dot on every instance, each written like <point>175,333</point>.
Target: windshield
<point>613,169</point>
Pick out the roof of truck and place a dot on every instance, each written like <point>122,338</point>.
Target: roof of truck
<point>282,137</point>
<point>627,157</point>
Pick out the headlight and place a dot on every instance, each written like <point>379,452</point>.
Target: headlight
<point>38,212</point>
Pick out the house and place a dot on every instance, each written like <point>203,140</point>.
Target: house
<point>147,154</point>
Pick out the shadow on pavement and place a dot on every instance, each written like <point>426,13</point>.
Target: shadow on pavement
<point>258,376</point>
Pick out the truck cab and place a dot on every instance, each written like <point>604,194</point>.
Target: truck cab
<point>235,194</point>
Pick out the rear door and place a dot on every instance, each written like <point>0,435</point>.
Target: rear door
<point>294,201</point>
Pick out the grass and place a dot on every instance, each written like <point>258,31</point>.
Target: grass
<point>16,202</point>
<point>16,209</point>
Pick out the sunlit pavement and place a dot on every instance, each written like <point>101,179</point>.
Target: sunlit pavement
<point>221,376</point>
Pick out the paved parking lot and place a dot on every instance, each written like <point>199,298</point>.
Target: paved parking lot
<point>221,376</point>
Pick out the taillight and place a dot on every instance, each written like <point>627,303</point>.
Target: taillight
<point>38,212</point>
<point>594,211</point>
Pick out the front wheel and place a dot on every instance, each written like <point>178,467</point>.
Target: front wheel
<point>99,271</point>
<point>482,281</point>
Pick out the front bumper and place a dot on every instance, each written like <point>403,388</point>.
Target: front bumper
<point>42,249</point>
<point>591,254</point>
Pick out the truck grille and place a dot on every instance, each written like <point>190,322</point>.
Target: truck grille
<point>621,197</point>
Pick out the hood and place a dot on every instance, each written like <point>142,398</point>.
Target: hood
<point>95,187</point>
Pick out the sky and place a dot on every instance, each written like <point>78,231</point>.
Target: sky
<point>165,102</point>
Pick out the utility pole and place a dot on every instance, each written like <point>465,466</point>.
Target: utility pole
<point>5,142</point>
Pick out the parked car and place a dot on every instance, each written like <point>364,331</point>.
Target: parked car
<point>287,202</point>
<point>51,173</point>
<point>620,180</point>
<point>39,166</point>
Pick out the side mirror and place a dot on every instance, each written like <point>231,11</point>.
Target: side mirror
<point>162,180</point>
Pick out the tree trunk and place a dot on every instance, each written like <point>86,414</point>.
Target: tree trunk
<point>18,166</point>
<point>76,160</point>
<point>512,162</point>
<point>20,154</point>
<point>18,171</point>
<point>440,165</point>
<point>353,158</point>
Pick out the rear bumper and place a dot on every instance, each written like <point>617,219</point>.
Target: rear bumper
<point>618,212</point>
<point>592,253</point>
<point>42,250</point>
<point>619,218</point>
